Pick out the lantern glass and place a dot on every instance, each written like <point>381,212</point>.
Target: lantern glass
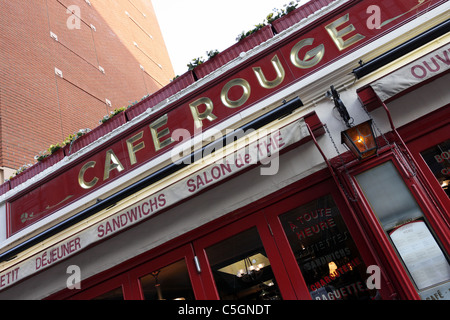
<point>361,140</point>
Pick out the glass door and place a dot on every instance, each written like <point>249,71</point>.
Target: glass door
<point>172,276</point>
<point>241,268</point>
<point>328,256</point>
<point>241,262</point>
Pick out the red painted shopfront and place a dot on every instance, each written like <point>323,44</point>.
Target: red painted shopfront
<point>271,206</point>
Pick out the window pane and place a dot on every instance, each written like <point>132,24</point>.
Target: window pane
<point>169,283</point>
<point>115,294</point>
<point>438,160</point>
<point>325,252</point>
<point>241,268</point>
<point>388,196</point>
<point>404,222</point>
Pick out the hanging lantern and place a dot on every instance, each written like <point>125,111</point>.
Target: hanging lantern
<point>361,140</point>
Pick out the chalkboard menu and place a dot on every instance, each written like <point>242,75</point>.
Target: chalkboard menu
<point>325,252</point>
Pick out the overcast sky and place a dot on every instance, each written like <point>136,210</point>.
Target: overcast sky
<point>192,27</point>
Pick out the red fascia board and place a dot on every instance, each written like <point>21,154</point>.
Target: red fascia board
<point>369,98</point>
<point>169,90</point>
<point>299,14</point>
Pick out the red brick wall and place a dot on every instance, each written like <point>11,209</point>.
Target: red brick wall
<point>39,108</point>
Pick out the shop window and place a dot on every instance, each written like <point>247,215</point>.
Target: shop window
<point>438,160</point>
<point>169,283</point>
<point>325,252</point>
<point>115,294</point>
<point>402,219</point>
<point>241,268</point>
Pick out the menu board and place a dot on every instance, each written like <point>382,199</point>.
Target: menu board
<point>440,292</point>
<point>421,254</point>
<point>325,252</point>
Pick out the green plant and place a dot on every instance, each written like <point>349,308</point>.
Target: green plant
<point>212,53</point>
<point>112,114</point>
<point>51,150</point>
<point>244,34</point>
<point>72,137</point>
<point>20,170</point>
<point>119,110</point>
<point>23,168</point>
<point>195,63</point>
<point>276,14</point>
<point>198,61</point>
<point>55,147</point>
<point>136,101</point>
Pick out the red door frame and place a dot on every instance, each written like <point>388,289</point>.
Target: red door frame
<point>365,249</point>
<point>256,220</point>
<point>185,252</point>
<point>129,280</point>
<point>277,246</point>
<point>122,281</point>
<point>386,251</point>
<point>424,134</point>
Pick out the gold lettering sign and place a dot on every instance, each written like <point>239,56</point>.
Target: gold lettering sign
<point>312,57</point>
<point>207,114</point>
<point>243,99</point>
<point>111,163</point>
<point>337,35</point>
<point>81,181</point>
<point>156,136</point>
<point>132,149</point>
<point>273,83</point>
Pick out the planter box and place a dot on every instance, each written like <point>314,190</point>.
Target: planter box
<point>299,14</point>
<point>234,51</point>
<point>37,168</point>
<point>98,132</point>
<point>172,88</point>
<point>5,187</point>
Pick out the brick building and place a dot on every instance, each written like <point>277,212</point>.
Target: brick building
<point>65,64</point>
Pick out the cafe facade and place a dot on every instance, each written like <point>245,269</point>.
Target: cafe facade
<point>308,161</point>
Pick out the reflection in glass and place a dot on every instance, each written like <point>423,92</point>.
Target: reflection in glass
<point>390,199</point>
<point>115,294</point>
<point>241,268</point>
<point>325,252</point>
<point>438,160</point>
<point>169,283</point>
